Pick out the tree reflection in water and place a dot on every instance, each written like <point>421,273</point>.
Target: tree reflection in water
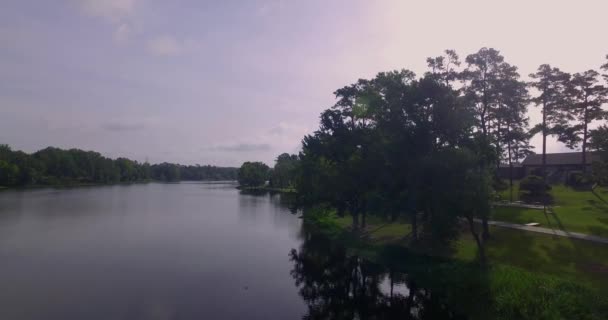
<point>337,286</point>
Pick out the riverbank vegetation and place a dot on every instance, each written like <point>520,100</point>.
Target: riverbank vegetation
<point>411,162</point>
<point>426,149</point>
<point>511,289</point>
<point>54,166</point>
<point>505,290</point>
<point>280,178</point>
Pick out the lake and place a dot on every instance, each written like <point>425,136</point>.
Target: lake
<point>183,251</point>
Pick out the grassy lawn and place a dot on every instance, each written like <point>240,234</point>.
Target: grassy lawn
<point>577,211</point>
<point>576,260</point>
<point>531,276</point>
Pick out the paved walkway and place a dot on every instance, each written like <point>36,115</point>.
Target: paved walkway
<point>560,233</point>
<point>521,205</point>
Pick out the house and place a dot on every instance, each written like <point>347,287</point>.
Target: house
<point>559,162</point>
<point>558,165</point>
<point>504,171</point>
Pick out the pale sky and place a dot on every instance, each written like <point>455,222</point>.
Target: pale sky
<point>222,82</point>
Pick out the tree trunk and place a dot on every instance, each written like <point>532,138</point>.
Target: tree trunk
<point>480,243</point>
<point>544,163</point>
<point>414,225</point>
<point>355,216</point>
<point>585,119</point>
<point>486,228</point>
<point>485,234</point>
<point>510,170</point>
<point>363,220</point>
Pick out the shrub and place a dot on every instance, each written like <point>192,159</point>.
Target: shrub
<point>599,170</point>
<point>534,186</point>
<point>578,179</point>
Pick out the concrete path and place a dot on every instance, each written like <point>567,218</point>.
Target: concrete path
<point>560,233</point>
<point>520,205</point>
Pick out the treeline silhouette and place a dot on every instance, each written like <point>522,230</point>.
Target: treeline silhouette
<point>54,166</point>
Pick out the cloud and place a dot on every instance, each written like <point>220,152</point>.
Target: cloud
<point>121,126</point>
<point>113,10</point>
<point>123,32</point>
<point>268,7</point>
<point>165,45</point>
<point>289,130</point>
<point>243,147</point>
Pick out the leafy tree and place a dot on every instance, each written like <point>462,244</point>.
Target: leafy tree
<point>9,173</point>
<point>253,174</point>
<point>599,142</point>
<point>585,99</point>
<point>511,121</point>
<point>551,84</point>
<point>481,85</point>
<point>482,88</point>
<point>444,68</point>
<point>284,172</point>
<point>54,166</point>
<point>198,172</point>
<point>399,145</point>
<point>605,68</point>
<point>599,139</point>
<point>169,172</point>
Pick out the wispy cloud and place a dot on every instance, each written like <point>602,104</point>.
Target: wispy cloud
<point>118,13</point>
<point>123,125</point>
<point>123,32</point>
<point>113,10</point>
<point>165,45</point>
<point>243,147</point>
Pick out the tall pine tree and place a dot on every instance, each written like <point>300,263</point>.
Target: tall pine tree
<point>585,99</point>
<point>550,84</point>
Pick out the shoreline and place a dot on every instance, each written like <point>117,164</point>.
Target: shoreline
<point>93,184</point>
<point>507,288</point>
<point>268,189</point>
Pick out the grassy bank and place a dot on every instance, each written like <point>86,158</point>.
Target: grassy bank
<point>530,276</point>
<point>574,210</point>
<point>267,189</point>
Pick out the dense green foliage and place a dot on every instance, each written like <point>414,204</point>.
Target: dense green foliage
<point>253,174</point>
<point>426,149</point>
<point>534,185</point>
<point>512,289</point>
<point>284,173</point>
<point>400,146</point>
<point>54,166</point>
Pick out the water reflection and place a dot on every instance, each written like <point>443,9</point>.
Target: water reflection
<point>335,285</point>
<point>278,200</point>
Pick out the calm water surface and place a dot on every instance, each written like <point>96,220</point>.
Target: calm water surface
<point>181,251</point>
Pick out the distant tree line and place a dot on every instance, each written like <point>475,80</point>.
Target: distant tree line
<point>54,166</point>
<point>282,176</point>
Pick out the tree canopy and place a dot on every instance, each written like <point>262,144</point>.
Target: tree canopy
<point>253,174</point>
<point>54,166</point>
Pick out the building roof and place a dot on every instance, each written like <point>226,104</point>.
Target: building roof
<point>515,165</point>
<point>564,158</point>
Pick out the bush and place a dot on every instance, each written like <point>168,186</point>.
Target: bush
<point>578,179</point>
<point>534,190</point>
<point>253,174</point>
<point>500,184</point>
<point>599,169</point>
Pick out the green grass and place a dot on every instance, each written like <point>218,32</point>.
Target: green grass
<point>572,259</point>
<point>530,276</point>
<point>563,257</point>
<point>573,210</point>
